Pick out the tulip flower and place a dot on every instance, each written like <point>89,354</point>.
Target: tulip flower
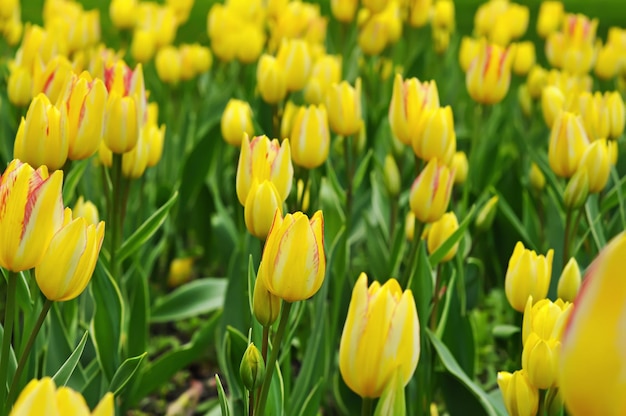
<point>42,137</point>
<point>569,282</point>
<point>380,336</point>
<point>439,232</point>
<point>596,160</point>
<point>343,103</point>
<point>262,202</point>
<point>443,15</point>
<point>615,107</point>
<point>310,138</point>
<point>263,159</point>
<point>154,136</point>
<point>343,10</point>
<point>265,305</point>
<point>168,65</point>
<point>536,178</point>
<point>468,51</point>
<point>524,58</point>
<point>568,142</point>
<point>293,264</point>
<point>593,356</point>
<point>294,56</point>
<point>143,46</point>
<point>419,12</point>
<point>437,138</point>
<point>528,274</point>
<point>181,271</point>
<point>489,74</point>
<point>391,176</point>
<point>236,120</point>
<point>521,398</point>
<point>123,13</point>
<point>578,44</point>
<point>552,103</point>
<point>31,212</point>
<point>87,210</point>
<point>19,86</point>
<point>539,359</point>
<point>430,193</point>
<point>326,71</point>
<point>271,79</point>
<point>460,167</point>
<point>51,79</point>
<point>545,318</point>
<point>135,161</point>
<point>536,81</point>
<point>551,14</point>
<point>252,368</point>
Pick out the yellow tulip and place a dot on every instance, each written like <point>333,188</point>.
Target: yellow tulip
<point>265,305</point>
<point>440,231</point>
<point>443,15</point>
<point>486,215</point>
<point>271,79</point>
<point>536,177</point>
<point>343,10</point>
<point>181,271</point>
<point>310,138</point>
<point>596,160</point>
<point>552,103</point>
<point>569,281</point>
<point>293,264</point>
<point>460,167</point>
<point>343,103</point>
<point>42,137</point>
<point>419,12</point>
<point>430,192</point>
<point>123,13</point>
<point>154,137</point>
<point>70,259</point>
<point>143,45</point>
<point>536,81</point>
<point>262,202</point>
<point>380,336</point>
<point>391,176</point>
<point>168,65</point>
<point>524,58</point>
<point>19,86</point>
<point>568,142</point>
<point>135,162</point>
<point>121,126</point>
<point>520,397</point>
<point>551,14</point>
<point>252,368</point>
<point>615,107</point>
<point>87,210</point>
<point>437,138</point>
<point>539,359</point>
<point>545,318</point>
<point>236,120</point>
<point>326,71</point>
<point>489,74</point>
<point>528,274</point>
<point>593,356</point>
<point>52,78</point>
<point>294,56</point>
<point>468,51</point>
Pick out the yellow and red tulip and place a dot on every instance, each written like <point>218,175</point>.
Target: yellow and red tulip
<point>489,74</point>
<point>431,190</point>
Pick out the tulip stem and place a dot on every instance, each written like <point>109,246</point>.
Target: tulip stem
<point>366,406</point>
<point>568,221</point>
<point>29,345</point>
<point>271,364</point>
<point>116,214</point>
<point>9,316</point>
<point>435,310</point>
<point>412,259</point>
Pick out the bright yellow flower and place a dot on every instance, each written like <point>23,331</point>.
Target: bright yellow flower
<point>439,232</point>
<point>430,192</point>
<point>271,79</point>
<point>262,202</point>
<point>236,120</point>
<point>310,138</point>
<point>528,274</point>
<point>437,138</point>
<point>343,103</point>
<point>569,281</point>
<point>568,142</point>
<point>520,397</point>
<point>489,74</point>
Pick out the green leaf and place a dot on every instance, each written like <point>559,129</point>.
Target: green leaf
<point>311,404</point>
<point>594,219</point>
<point>224,405</point>
<point>508,212</point>
<point>363,168</point>
<point>456,236</point>
<point>191,299</point>
<point>453,367</point>
<point>139,313</point>
<point>67,369</point>
<point>72,179</point>
<point>58,341</point>
<point>421,280</point>
<point>125,372</point>
<point>505,330</point>
<point>146,230</point>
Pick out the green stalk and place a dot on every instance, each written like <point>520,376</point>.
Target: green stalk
<point>284,318</point>
<point>366,406</point>
<point>566,237</point>
<point>412,259</point>
<point>9,317</point>
<point>435,310</point>
<point>22,363</point>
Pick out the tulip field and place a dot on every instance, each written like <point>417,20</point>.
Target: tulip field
<point>320,207</point>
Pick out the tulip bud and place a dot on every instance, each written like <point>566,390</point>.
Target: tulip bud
<point>537,179</point>
<point>568,142</point>
<point>344,108</point>
<point>536,81</point>
<point>489,74</point>
<point>615,107</point>
<point>271,79</point>
<point>521,398</point>
<point>437,138</point>
<point>545,318</point>
<point>153,137</point>
<point>180,272</point>
<point>613,151</point>
<point>252,368</point>
<point>294,56</point>
<point>539,359</point>
<point>236,120</point>
<point>607,62</point>
<point>391,176</point>
<point>569,282</point>
<point>430,192</point>
<point>326,71</point>
<point>87,210</point>
<point>143,46</point>
<point>552,103</point>
<point>262,201</point>
<point>135,162</point>
<point>596,160</point>
<point>443,15</point>
<point>52,78</point>
<point>310,138</point>
<point>168,65</point>
<point>486,215</point>
<point>343,10</point>
<point>123,13</point>
<point>460,167</point>
<point>42,137</point>
<point>468,51</point>
<point>121,129</point>
<point>528,274</point>
<point>19,86</point>
<point>440,231</point>
<point>265,305</point>
<point>577,189</point>
<point>392,401</point>
<point>524,58</point>
<point>374,35</point>
<point>419,12</point>
<point>550,16</point>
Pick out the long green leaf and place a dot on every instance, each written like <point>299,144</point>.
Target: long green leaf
<point>67,369</point>
<point>505,208</point>
<point>221,394</point>
<point>453,367</point>
<point>146,230</point>
<point>125,372</point>
<point>72,179</point>
<point>192,299</point>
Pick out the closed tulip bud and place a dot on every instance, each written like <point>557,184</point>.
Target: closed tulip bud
<point>262,160</point>
<point>252,368</point>
<point>265,306</point>
<point>551,14</point>
<point>409,226</point>
<point>236,120</point>
<point>181,271</point>
<point>419,12</point>
<point>382,328</point>
<point>537,179</point>
<point>31,212</point>
<point>545,318</point>
<point>249,44</point>
<point>392,401</point>
<point>430,192</point>
<point>409,101</point>
<point>135,161</point>
<point>262,201</point>
<point>42,137</point>
<point>487,214</point>
<point>539,359</point>
<point>568,142</point>
<point>489,74</point>
<point>524,58</point>
<point>123,13</point>
<point>326,71</point>
<point>343,103</point>
<point>343,10</point>
<point>391,176</point>
<point>528,274</point>
<point>468,51</point>
<point>293,263</point>
<point>271,79</point>
<point>596,160</point>
<point>440,231</point>
<point>569,282</point>
<point>143,46</point>
<point>592,357</point>
<point>460,167</point>
<point>521,398</point>
<point>310,138</point>
<point>536,81</point>
<point>437,137</point>
<point>607,62</point>
<point>577,189</point>
<point>168,65</point>
<point>85,101</point>
<point>154,137</point>
<point>615,107</point>
<point>374,35</point>
<point>552,103</point>
<point>19,86</point>
<point>121,126</point>
<point>87,210</point>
